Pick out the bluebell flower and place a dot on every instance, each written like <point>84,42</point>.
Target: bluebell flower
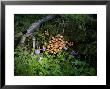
<point>73,52</point>
<point>43,48</point>
<point>65,48</point>
<point>37,51</point>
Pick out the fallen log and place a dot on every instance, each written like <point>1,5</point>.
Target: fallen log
<point>34,27</point>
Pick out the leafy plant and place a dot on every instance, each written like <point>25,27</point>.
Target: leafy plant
<point>78,60</point>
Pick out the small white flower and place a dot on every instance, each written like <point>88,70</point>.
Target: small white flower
<point>40,58</point>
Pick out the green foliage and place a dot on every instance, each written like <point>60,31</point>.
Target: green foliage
<point>79,28</point>
<point>56,65</point>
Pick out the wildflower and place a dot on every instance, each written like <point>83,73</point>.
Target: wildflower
<point>40,58</point>
<point>73,52</point>
<point>46,33</point>
<point>43,48</point>
<point>65,48</point>
<point>45,43</point>
<point>37,51</point>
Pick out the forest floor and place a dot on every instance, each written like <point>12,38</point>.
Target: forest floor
<point>64,46</point>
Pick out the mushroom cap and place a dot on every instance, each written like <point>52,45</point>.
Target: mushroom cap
<point>56,44</point>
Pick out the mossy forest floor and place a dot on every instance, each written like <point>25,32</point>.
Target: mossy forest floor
<point>79,59</point>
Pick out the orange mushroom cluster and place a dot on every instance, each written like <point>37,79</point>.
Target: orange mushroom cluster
<point>56,44</point>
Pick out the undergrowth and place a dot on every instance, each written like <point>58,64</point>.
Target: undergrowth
<point>78,28</point>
